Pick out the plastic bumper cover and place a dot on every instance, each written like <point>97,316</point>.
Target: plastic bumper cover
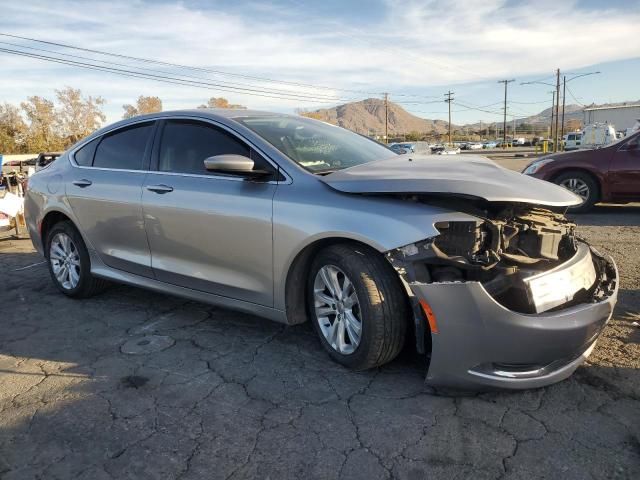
<point>480,343</point>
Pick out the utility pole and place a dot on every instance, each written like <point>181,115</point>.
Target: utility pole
<point>480,130</point>
<point>514,128</point>
<point>564,92</point>
<point>504,134</point>
<point>386,118</point>
<point>553,103</point>
<point>449,99</point>
<point>555,138</point>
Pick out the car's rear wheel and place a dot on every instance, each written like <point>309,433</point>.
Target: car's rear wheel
<point>583,185</point>
<point>357,306</point>
<point>69,263</point>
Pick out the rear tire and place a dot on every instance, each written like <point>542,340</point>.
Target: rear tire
<point>583,185</point>
<point>382,309</point>
<point>69,263</point>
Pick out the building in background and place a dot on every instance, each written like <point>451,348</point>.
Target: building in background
<point>621,117</point>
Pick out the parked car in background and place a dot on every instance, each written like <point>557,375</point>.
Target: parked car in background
<point>401,148</point>
<point>45,158</point>
<point>490,144</point>
<point>296,220</point>
<point>449,151</point>
<point>606,174</point>
<point>572,141</point>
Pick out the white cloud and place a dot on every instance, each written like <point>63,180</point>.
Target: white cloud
<point>416,44</point>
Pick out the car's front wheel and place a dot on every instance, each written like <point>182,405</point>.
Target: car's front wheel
<point>357,306</point>
<point>583,185</point>
<point>69,263</point>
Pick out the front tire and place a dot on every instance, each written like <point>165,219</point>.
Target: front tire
<point>583,185</point>
<point>69,262</point>
<point>357,306</point>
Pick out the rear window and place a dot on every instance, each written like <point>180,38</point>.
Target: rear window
<point>84,156</point>
<point>124,149</point>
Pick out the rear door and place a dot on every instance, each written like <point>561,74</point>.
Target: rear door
<point>625,170</point>
<point>105,192</point>
<point>208,232</point>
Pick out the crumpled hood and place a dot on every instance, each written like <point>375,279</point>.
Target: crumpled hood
<point>470,175</point>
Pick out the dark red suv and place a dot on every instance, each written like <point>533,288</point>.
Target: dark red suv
<point>606,174</point>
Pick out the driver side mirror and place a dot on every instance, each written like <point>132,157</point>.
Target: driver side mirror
<point>234,165</point>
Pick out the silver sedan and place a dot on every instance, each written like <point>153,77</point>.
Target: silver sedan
<point>292,219</point>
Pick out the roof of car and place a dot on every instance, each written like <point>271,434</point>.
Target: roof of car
<point>213,113</point>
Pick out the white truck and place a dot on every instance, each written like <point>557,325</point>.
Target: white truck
<point>597,135</point>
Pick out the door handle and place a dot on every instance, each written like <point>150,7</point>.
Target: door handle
<point>160,188</point>
<point>82,183</point>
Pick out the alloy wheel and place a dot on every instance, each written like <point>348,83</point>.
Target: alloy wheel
<point>65,261</point>
<point>337,309</point>
<point>577,186</point>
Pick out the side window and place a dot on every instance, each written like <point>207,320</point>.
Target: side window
<point>124,149</point>
<point>633,144</point>
<point>84,156</point>
<point>186,144</point>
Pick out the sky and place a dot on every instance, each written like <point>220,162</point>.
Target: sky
<point>330,52</point>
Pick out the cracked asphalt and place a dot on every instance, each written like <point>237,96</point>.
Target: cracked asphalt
<point>133,384</point>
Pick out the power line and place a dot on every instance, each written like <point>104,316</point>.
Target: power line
<point>165,78</point>
<point>231,85</point>
<point>202,69</point>
<point>225,84</point>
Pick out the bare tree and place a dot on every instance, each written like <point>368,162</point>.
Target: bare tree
<point>12,129</point>
<point>143,105</point>
<point>78,116</point>
<point>41,120</point>
<point>221,102</point>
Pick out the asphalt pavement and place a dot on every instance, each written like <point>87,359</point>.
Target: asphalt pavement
<point>133,384</point>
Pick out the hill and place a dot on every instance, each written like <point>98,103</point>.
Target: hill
<point>367,117</point>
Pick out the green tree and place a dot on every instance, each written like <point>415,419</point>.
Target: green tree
<point>78,116</point>
<point>143,106</point>
<point>220,102</point>
<point>12,129</point>
<point>41,133</point>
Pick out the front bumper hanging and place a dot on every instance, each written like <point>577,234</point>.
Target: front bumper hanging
<point>480,343</point>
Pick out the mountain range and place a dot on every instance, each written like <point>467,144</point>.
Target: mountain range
<point>367,117</point>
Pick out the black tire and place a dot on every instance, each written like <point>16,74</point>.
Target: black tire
<point>586,179</point>
<point>88,285</point>
<point>383,306</point>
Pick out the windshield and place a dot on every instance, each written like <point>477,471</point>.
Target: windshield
<point>317,146</point>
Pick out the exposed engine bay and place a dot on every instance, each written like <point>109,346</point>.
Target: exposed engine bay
<point>527,258</point>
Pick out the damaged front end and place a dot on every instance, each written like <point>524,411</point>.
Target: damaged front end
<point>511,295</point>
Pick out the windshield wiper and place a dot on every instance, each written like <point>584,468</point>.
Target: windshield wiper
<point>326,171</point>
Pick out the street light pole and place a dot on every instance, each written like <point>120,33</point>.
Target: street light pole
<point>564,91</point>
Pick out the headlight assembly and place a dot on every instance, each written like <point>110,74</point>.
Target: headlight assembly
<point>537,165</point>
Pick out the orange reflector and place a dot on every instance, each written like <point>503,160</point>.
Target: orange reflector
<point>431,318</point>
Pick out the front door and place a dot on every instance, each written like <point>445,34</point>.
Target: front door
<point>207,232</point>
<point>105,192</point>
<point>625,170</point>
